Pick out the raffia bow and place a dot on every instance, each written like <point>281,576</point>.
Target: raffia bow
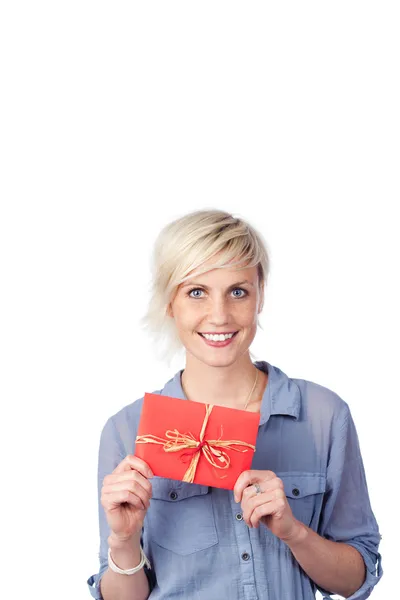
<point>211,449</point>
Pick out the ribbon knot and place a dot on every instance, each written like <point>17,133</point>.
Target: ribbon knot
<point>212,450</point>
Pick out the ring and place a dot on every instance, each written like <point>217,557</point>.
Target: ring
<point>258,489</point>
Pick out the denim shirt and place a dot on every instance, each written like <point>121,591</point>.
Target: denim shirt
<point>199,546</point>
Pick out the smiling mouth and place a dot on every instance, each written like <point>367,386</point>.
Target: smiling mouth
<point>235,333</point>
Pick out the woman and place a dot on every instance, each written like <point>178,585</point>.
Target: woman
<point>300,519</point>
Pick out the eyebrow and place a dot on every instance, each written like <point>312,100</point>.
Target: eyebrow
<point>230,287</point>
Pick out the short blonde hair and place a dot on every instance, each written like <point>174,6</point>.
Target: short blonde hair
<point>183,246</point>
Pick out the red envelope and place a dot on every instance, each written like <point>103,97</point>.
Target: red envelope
<point>162,414</point>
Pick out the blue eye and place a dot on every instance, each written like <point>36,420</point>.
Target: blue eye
<point>194,290</point>
<point>241,291</point>
<point>245,293</point>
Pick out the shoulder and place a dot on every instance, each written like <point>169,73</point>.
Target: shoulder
<point>130,413</point>
<point>320,402</point>
<point>312,397</point>
<point>123,425</point>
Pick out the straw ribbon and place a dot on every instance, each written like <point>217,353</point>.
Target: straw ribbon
<point>212,450</point>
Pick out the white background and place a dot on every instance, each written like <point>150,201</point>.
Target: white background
<point>117,118</point>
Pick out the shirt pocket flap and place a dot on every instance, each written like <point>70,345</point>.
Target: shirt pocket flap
<point>299,485</point>
<point>173,490</point>
<point>305,493</point>
<point>181,517</point>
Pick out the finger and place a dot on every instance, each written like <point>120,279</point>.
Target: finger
<point>272,484</point>
<point>114,499</point>
<point>128,476</point>
<point>134,462</point>
<point>250,491</point>
<point>130,486</point>
<point>133,486</point>
<point>265,485</point>
<point>275,507</point>
<point>253,502</point>
<point>271,502</point>
<point>261,511</point>
<point>247,478</point>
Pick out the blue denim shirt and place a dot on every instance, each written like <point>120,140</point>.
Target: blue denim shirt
<point>199,546</point>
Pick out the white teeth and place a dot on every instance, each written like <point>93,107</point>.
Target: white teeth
<point>217,337</point>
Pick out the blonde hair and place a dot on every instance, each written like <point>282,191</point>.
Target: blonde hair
<point>183,246</point>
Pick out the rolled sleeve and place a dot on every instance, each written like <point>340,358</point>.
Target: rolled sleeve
<point>374,571</point>
<point>347,515</point>
<point>94,582</point>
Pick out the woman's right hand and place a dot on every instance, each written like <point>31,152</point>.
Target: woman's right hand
<point>125,497</point>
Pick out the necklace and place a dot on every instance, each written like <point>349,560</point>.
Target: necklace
<point>248,398</point>
<point>252,390</point>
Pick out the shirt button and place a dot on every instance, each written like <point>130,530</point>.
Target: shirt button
<point>295,491</point>
<point>239,517</point>
<point>245,556</point>
<point>173,495</point>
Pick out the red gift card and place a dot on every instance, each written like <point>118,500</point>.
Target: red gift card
<point>196,442</point>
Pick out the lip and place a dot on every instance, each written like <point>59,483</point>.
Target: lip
<point>219,344</point>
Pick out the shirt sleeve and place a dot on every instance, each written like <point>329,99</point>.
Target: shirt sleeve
<point>111,452</point>
<point>347,515</point>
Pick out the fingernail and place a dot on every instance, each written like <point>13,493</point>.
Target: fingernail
<point>150,474</point>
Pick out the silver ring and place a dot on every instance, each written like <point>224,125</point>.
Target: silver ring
<point>258,489</point>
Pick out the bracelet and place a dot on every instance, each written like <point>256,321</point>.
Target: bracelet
<point>144,560</point>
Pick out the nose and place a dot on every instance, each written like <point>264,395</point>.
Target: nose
<point>218,312</point>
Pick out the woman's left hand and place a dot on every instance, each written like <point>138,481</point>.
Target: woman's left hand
<point>269,506</point>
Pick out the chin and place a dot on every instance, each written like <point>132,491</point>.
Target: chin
<point>216,361</point>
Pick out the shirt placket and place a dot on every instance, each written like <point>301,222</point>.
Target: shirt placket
<point>246,558</point>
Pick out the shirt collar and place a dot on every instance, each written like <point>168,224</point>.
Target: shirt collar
<point>281,395</point>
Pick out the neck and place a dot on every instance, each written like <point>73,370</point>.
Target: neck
<point>226,386</point>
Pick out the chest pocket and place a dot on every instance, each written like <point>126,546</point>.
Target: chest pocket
<point>305,493</point>
<point>181,516</point>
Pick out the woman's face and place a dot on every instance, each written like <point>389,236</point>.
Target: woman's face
<point>220,301</point>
